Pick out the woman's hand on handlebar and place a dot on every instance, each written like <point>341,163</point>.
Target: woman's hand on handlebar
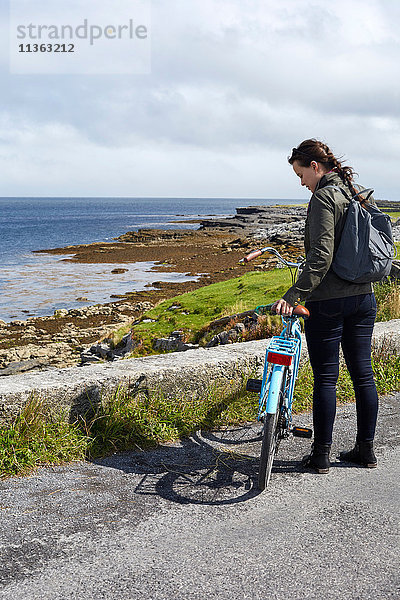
<point>281,307</point>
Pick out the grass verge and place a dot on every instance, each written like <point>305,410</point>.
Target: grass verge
<point>36,437</point>
<point>140,421</point>
<point>193,311</point>
<point>387,296</point>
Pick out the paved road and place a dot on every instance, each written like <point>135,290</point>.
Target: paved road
<point>185,522</point>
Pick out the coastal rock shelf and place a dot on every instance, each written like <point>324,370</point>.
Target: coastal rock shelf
<point>210,254</point>
<point>57,341</point>
<point>283,225</point>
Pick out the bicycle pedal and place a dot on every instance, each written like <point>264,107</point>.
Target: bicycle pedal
<point>303,432</point>
<point>254,385</point>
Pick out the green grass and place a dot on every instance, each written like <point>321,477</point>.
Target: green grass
<point>35,437</point>
<point>143,421</point>
<point>198,308</point>
<point>387,296</point>
<point>121,422</point>
<point>139,421</point>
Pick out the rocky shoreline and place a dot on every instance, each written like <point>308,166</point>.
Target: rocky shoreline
<point>278,225</point>
<point>211,253</point>
<point>58,340</point>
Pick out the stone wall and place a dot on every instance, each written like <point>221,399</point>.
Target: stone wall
<point>76,388</point>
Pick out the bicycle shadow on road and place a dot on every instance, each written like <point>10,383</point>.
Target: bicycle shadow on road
<point>208,468</point>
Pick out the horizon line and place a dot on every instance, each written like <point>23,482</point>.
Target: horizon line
<point>152,197</point>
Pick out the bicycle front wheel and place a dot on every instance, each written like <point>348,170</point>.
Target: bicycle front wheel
<point>270,439</point>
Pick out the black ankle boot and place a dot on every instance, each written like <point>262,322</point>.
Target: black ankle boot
<point>362,454</point>
<point>319,458</point>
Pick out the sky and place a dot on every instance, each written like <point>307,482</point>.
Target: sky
<point>233,86</point>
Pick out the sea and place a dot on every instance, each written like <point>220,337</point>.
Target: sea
<point>38,284</point>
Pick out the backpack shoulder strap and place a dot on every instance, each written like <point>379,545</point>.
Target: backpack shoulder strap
<point>366,193</point>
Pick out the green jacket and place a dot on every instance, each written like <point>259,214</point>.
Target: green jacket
<point>324,225</point>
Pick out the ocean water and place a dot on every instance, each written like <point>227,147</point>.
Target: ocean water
<point>37,284</point>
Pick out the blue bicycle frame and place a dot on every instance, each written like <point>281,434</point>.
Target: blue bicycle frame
<point>283,352</point>
<point>276,388</point>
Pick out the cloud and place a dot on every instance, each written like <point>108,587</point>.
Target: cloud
<point>234,85</point>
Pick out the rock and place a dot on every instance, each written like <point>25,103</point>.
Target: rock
<point>219,339</point>
<point>87,358</point>
<point>177,334</point>
<point>239,243</point>
<point>257,219</point>
<point>126,345</point>
<point>22,352</point>
<point>104,351</point>
<point>21,366</point>
<point>118,271</point>
<point>174,342</point>
<point>61,312</point>
<point>387,204</point>
<point>142,306</point>
<point>82,299</point>
<point>396,231</point>
<point>41,352</point>
<point>231,223</point>
<point>240,327</point>
<point>287,235</point>
<point>234,334</point>
<point>61,345</point>
<point>126,306</point>
<point>146,235</point>
<point>395,270</point>
<point>225,320</point>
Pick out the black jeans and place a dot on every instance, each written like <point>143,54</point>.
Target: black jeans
<point>348,321</point>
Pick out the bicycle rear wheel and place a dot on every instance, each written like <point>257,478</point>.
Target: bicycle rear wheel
<point>271,437</point>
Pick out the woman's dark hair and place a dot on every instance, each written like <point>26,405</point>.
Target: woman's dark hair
<point>314,150</point>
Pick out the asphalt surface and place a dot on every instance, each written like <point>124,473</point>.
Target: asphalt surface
<point>186,522</point>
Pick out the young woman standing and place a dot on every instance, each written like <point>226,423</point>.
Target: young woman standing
<point>342,313</point>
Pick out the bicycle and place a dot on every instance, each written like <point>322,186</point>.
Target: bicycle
<point>276,387</point>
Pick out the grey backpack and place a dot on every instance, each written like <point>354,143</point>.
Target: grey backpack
<point>366,248</point>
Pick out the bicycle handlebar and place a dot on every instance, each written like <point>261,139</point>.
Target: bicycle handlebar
<point>298,311</point>
<point>252,255</point>
<point>256,253</point>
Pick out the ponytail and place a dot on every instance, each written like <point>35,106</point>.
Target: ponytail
<point>314,150</point>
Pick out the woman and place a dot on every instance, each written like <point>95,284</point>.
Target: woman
<point>341,312</point>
